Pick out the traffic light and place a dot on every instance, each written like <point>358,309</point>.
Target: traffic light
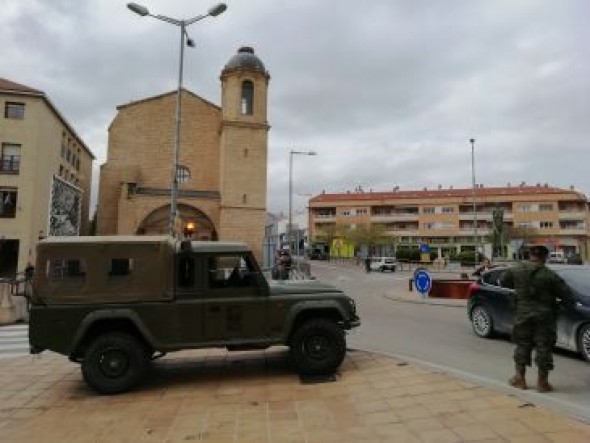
<point>189,230</point>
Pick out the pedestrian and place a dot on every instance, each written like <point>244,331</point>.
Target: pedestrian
<point>368,263</point>
<point>537,292</point>
<point>484,266</point>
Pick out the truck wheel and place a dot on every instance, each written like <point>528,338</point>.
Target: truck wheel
<point>318,347</point>
<point>114,362</point>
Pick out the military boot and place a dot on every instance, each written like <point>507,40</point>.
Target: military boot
<point>543,384</point>
<point>519,380</point>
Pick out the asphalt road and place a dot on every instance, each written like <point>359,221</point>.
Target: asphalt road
<point>441,337</point>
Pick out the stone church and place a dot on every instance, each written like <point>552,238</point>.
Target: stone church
<point>222,161</point>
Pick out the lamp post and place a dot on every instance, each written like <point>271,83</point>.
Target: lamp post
<point>472,141</point>
<point>291,154</point>
<point>143,11</point>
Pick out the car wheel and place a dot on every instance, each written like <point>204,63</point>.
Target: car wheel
<point>114,362</point>
<point>318,347</point>
<point>584,342</point>
<point>382,269</point>
<point>481,320</point>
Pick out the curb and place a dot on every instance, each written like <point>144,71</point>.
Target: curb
<point>427,301</point>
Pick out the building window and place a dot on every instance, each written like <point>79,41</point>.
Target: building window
<point>523,208</point>
<point>428,225</point>
<point>61,170</point>
<point>14,110</point>
<point>448,209</point>
<point>69,155</point>
<point>546,207</point>
<point>247,97</point>
<point>8,198</point>
<point>428,210</point>
<point>244,198</point>
<point>546,224</point>
<point>10,157</point>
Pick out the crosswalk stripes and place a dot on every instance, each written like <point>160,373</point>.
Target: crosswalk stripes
<point>14,340</point>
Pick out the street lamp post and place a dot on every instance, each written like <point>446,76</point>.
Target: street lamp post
<point>472,141</point>
<point>290,226</point>
<point>212,12</point>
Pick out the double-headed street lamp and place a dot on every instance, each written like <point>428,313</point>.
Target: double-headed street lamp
<point>143,11</point>
<point>290,227</point>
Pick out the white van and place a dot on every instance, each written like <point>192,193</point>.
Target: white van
<point>556,257</point>
<point>383,263</point>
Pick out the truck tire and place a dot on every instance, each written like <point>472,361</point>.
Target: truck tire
<point>318,347</point>
<point>114,362</point>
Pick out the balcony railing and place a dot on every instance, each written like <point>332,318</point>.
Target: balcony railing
<point>10,164</point>
<point>392,216</point>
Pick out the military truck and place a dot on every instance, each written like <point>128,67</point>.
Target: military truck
<point>115,303</point>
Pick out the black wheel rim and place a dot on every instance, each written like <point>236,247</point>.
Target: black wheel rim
<point>113,362</point>
<point>317,347</point>
<point>585,343</point>
<point>481,321</point>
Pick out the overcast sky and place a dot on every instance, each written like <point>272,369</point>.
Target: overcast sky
<point>388,92</point>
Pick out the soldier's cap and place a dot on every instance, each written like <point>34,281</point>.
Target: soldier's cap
<point>539,251</point>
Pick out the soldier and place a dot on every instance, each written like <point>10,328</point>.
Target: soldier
<point>537,290</point>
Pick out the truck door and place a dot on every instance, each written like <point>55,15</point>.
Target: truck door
<point>235,306</point>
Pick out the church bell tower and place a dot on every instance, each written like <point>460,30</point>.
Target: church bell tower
<point>244,149</point>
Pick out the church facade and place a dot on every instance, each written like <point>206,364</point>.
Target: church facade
<point>222,161</point>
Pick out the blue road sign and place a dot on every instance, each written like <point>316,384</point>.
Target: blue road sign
<point>422,281</point>
<point>424,248</point>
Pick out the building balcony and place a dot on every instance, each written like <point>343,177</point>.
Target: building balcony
<point>403,232</point>
<point>471,231</point>
<point>9,165</point>
<point>573,231</point>
<point>573,215</point>
<point>324,218</point>
<point>394,216</point>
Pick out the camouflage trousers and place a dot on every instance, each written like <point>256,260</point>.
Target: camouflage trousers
<point>538,333</point>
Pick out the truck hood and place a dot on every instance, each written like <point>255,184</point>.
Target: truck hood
<point>285,287</point>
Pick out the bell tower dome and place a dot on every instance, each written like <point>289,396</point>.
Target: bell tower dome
<point>244,149</point>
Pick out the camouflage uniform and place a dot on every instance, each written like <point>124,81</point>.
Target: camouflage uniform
<point>537,290</point>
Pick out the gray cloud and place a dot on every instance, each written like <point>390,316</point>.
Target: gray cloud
<point>387,92</point>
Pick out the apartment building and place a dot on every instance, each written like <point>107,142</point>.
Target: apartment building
<point>448,220</point>
<point>45,175</point>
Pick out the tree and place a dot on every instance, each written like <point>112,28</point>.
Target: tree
<point>369,235</point>
<point>498,232</point>
<point>328,233</point>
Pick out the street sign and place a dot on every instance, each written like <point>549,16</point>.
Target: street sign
<point>422,281</point>
<point>424,248</point>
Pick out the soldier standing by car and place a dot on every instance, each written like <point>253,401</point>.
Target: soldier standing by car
<point>537,292</point>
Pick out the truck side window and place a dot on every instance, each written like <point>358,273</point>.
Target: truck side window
<point>120,266</point>
<point>186,272</point>
<point>66,269</point>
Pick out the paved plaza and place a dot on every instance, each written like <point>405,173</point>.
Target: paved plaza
<point>216,396</point>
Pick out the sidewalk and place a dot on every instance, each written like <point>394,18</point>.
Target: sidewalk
<point>215,396</point>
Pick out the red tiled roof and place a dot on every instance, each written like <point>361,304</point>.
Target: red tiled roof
<point>444,193</point>
<point>9,86</point>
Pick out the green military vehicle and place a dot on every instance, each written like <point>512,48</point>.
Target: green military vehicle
<point>114,304</point>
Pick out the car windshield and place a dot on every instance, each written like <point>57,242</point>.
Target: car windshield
<point>578,279</point>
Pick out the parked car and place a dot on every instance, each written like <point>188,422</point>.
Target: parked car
<point>383,263</point>
<point>491,307</point>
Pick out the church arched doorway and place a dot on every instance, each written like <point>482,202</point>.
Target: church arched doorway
<point>158,222</point>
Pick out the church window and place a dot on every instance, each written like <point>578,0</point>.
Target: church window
<point>246,152</point>
<point>247,97</point>
<point>183,174</point>
<point>244,198</point>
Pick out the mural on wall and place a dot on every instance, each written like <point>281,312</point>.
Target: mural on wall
<point>65,208</point>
